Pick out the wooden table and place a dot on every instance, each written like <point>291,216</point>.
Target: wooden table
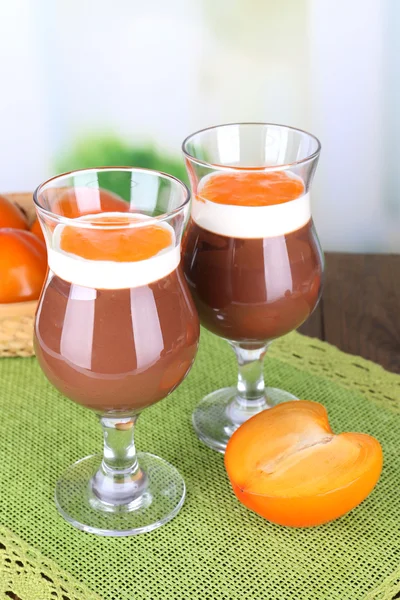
<point>360,307</point>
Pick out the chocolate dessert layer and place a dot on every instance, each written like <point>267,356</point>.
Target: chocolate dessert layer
<point>253,289</point>
<point>116,350</point>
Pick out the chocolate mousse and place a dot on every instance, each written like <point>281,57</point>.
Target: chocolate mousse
<point>116,350</point>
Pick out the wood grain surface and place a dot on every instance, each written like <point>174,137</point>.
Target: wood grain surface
<point>360,307</point>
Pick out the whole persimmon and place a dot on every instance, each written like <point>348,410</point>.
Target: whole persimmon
<point>37,230</point>
<point>79,201</point>
<point>23,265</point>
<point>11,215</point>
<point>287,465</point>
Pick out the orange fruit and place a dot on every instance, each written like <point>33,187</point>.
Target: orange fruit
<point>11,215</point>
<point>23,265</point>
<point>37,230</point>
<point>287,465</point>
<point>119,244</point>
<point>250,188</point>
<point>79,201</point>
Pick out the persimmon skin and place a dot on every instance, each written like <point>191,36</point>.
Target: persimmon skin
<point>37,230</point>
<point>11,215</point>
<point>80,201</point>
<point>23,265</point>
<point>311,509</point>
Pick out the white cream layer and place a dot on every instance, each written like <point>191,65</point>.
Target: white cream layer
<point>251,221</point>
<point>112,275</point>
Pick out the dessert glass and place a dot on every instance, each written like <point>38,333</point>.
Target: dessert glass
<point>116,331</point>
<point>251,255</point>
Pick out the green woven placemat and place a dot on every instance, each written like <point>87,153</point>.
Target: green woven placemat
<point>215,549</point>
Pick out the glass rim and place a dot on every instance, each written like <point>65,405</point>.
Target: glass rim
<point>277,167</point>
<point>76,222</point>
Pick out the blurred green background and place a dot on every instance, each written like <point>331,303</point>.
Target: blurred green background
<point>107,150</point>
<point>87,84</point>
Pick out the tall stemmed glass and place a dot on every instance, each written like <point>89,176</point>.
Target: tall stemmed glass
<point>251,258</point>
<point>116,331</point>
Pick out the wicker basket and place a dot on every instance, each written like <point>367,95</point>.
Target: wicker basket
<point>16,320</point>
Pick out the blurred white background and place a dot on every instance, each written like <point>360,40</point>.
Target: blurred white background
<point>155,71</point>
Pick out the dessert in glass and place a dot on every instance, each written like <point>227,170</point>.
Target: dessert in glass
<point>251,255</point>
<point>116,330</point>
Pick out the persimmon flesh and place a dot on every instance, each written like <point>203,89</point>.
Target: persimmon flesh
<point>126,245</point>
<point>287,465</point>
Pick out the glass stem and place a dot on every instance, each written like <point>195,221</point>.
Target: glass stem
<point>250,385</point>
<point>119,479</point>
<point>119,452</point>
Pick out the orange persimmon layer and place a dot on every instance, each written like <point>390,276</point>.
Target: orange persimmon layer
<point>251,188</point>
<point>122,244</point>
<point>287,465</point>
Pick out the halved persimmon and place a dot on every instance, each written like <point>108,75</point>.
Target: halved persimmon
<point>287,465</point>
<point>79,201</point>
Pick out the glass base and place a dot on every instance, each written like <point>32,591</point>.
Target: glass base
<point>219,414</point>
<point>161,500</point>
